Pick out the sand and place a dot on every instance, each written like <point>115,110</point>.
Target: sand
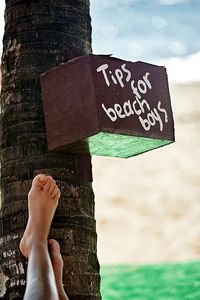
<point>148,207</point>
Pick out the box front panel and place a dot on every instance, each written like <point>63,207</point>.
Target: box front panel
<point>133,98</point>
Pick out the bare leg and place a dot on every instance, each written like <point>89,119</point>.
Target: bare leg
<point>57,263</point>
<point>42,202</point>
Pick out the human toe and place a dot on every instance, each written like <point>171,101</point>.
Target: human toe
<point>56,193</point>
<point>48,184</point>
<point>39,179</point>
<point>54,245</point>
<point>52,187</point>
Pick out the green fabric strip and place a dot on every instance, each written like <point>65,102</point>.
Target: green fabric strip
<point>124,146</point>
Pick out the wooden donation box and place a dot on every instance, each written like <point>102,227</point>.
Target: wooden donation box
<point>107,106</point>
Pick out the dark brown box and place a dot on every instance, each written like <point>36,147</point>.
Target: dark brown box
<point>97,102</point>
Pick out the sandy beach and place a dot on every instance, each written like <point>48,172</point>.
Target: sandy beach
<point>148,207</point>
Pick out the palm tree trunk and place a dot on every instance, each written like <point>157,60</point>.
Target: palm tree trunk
<point>39,35</point>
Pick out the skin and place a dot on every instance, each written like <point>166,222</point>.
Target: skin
<point>45,265</point>
<point>57,263</point>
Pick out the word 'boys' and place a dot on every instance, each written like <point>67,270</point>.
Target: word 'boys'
<point>137,106</point>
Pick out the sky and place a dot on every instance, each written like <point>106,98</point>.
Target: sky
<point>164,32</point>
<point>146,29</point>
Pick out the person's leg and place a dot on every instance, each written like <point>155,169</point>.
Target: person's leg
<point>57,263</point>
<point>42,202</point>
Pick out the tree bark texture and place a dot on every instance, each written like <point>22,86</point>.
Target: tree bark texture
<point>39,35</point>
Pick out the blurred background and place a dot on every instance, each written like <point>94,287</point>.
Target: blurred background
<point>148,207</point>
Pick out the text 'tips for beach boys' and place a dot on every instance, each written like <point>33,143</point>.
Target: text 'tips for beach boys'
<point>138,105</point>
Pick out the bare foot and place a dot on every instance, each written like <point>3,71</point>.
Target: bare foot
<point>42,202</point>
<point>57,263</point>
